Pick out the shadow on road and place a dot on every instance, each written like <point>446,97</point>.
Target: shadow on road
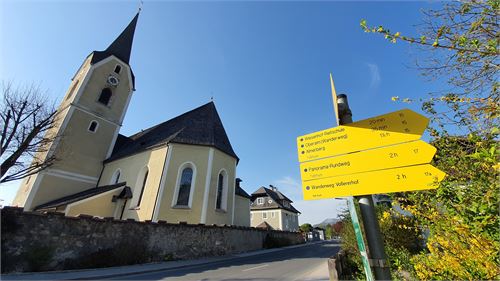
<point>316,251</point>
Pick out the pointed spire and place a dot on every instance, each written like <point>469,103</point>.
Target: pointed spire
<point>122,46</point>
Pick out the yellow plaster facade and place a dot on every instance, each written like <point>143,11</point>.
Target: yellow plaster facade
<point>87,131</point>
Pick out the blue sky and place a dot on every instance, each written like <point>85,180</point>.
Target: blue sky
<point>266,65</point>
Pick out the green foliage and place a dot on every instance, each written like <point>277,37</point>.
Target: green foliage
<point>306,227</point>
<point>460,217</point>
<point>328,231</point>
<point>460,43</point>
<point>350,247</point>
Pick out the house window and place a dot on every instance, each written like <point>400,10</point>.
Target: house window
<point>185,187</point>
<point>272,214</point>
<point>116,177</point>
<point>93,126</point>
<point>264,215</point>
<point>105,96</point>
<point>143,185</point>
<point>118,68</point>
<point>221,199</point>
<point>260,201</point>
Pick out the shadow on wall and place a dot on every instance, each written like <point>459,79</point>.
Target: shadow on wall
<point>43,242</point>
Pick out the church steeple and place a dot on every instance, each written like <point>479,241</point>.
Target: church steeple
<point>122,46</point>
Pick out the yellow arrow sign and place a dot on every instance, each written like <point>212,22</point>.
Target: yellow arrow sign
<point>396,127</point>
<point>400,155</point>
<point>411,178</point>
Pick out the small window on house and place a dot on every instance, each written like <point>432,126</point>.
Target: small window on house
<point>143,186</point>
<point>185,187</point>
<point>105,96</point>
<point>72,89</point>
<point>264,215</point>
<point>118,68</point>
<point>260,201</point>
<point>93,126</point>
<point>272,214</point>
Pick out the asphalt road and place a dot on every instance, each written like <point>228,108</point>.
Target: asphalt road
<point>302,263</point>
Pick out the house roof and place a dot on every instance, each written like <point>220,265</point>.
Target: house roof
<point>120,48</point>
<point>278,200</point>
<point>80,196</point>
<point>265,225</point>
<point>200,126</point>
<point>239,191</point>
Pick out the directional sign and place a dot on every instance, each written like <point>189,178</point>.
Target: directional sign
<point>396,127</point>
<point>400,155</point>
<point>411,178</point>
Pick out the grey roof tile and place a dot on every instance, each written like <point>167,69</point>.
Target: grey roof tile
<point>200,126</point>
<point>79,196</point>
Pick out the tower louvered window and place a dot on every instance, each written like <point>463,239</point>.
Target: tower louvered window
<point>105,96</point>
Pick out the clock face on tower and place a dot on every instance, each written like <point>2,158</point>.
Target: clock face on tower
<point>113,81</point>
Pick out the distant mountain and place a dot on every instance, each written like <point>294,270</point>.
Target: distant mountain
<point>326,221</point>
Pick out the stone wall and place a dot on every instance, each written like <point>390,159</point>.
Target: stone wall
<point>43,242</point>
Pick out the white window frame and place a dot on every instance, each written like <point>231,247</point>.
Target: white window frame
<point>225,188</point>
<point>138,185</point>
<point>260,201</point>
<point>272,214</point>
<point>183,166</point>
<point>115,178</point>
<point>264,215</point>
<point>96,127</point>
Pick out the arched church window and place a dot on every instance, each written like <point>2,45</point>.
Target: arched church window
<point>221,198</point>
<point>105,96</point>
<point>185,187</point>
<point>143,186</point>
<point>118,68</point>
<point>93,126</point>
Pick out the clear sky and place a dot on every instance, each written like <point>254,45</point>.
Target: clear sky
<point>266,65</point>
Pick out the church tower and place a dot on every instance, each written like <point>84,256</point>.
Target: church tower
<point>90,117</point>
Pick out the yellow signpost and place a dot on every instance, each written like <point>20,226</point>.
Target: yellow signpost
<point>400,155</point>
<point>410,178</point>
<point>396,127</point>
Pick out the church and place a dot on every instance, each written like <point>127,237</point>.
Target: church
<point>182,170</point>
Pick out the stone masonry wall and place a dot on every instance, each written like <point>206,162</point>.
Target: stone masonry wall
<point>43,242</point>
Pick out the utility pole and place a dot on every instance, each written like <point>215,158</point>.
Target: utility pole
<point>378,259</point>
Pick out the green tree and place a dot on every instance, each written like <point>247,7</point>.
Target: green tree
<point>306,227</point>
<point>460,43</point>
<point>328,231</point>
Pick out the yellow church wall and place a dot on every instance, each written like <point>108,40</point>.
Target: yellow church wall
<point>181,154</point>
<point>79,143</point>
<point>59,187</point>
<point>97,82</point>
<point>99,205</point>
<point>130,171</point>
<point>241,211</point>
<point>228,163</point>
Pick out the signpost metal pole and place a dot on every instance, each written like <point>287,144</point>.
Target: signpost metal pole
<point>375,244</point>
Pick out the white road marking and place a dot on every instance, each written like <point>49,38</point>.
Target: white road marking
<point>260,266</point>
